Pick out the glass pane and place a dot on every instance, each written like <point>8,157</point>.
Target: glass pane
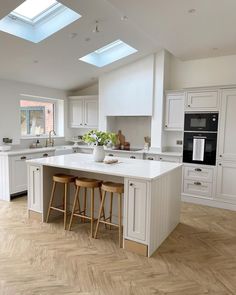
<point>37,117</point>
<point>23,123</point>
<point>37,122</point>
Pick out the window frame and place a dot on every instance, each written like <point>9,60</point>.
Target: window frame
<point>58,106</point>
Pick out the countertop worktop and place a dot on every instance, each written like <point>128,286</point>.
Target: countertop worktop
<point>133,168</point>
<point>85,146</point>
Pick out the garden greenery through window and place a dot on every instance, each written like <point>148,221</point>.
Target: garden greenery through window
<point>37,117</point>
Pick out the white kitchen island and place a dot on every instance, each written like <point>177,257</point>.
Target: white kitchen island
<point>152,195</point>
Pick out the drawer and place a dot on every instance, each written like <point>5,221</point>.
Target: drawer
<point>170,159</point>
<point>198,173</point>
<point>198,188</point>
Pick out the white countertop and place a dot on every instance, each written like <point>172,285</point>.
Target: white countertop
<point>27,151</point>
<point>132,168</point>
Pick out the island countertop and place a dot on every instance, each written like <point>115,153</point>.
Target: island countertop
<point>141,169</point>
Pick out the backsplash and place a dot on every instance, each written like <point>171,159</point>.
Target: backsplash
<point>134,128</point>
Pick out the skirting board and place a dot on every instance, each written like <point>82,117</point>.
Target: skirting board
<point>208,202</point>
<point>135,247</point>
<point>32,215</point>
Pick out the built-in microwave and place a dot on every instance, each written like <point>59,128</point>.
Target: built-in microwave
<point>207,122</point>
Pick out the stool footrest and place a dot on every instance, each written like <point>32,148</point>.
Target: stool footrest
<point>108,223</point>
<point>57,209</point>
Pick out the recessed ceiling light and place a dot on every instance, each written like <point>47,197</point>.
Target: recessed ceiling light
<point>73,35</point>
<point>36,61</point>
<point>124,18</point>
<point>87,39</point>
<point>192,10</point>
<point>215,48</point>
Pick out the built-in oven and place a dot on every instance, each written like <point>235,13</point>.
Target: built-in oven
<point>201,122</point>
<point>200,138</point>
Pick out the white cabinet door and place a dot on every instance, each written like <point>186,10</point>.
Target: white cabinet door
<point>174,115</point>
<point>91,113</point>
<point>34,188</point>
<point>137,206</point>
<point>226,184</point>
<point>18,174</point>
<point>202,101</point>
<point>227,139</point>
<point>76,113</point>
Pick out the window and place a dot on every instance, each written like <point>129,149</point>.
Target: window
<point>36,20</point>
<point>37,117</point>
<point>32,10</point>
<point>109,53</point>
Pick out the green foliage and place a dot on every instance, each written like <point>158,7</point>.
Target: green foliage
<point>95,137</point>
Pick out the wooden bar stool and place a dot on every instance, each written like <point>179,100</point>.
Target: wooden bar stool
<point>111,188</point>
<point>85,183</point>
<point>66,180</point>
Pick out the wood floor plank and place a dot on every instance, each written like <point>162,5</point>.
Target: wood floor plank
<point>43,259</point>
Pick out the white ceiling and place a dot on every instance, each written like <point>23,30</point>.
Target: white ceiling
<point>151,25</point>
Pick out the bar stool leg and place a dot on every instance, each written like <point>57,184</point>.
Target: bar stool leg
<point>100,213</point>
<point>120,221</point>
<point>103,211</point>
<point>111,207</point>
<point>74,205</point>
<point>85,202</point>
<point>65,205</point>
<point>51,200</point>
<point>92,210</point>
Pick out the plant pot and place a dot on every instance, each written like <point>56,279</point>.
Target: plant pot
<point>98,153</point>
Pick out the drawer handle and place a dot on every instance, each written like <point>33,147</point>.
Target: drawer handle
<point>23,158</point>
<point>160,159</point>
<point>197,183</point>
<point>131,184</point>
<point>220,164</point>
<point>198,169</point>
<point>150,158</point>
<point>37,169</point>
<point>45,155</point>
<point>111,155</point>
<point>132,157</point>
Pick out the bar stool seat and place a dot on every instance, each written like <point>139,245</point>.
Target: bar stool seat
<point>85,183</point>
<point>65,180</point>
<point>111,188</point>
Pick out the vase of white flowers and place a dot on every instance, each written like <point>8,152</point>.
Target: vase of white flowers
<point>99,139</point>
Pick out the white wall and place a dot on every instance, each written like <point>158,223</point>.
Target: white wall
<point>134,128</point>
<point>91,90</point>
<point>215,71</point>
<point>10,92</point>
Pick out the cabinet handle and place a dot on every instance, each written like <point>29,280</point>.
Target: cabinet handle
<point>81,124</point>
<point>160,159</point>
<point>132,157</point>
<point>221,156</point>
<point>131,184</point>
<point>198,169</point>
<point>110,155</point>
<point>85,124</point>
<point>23,158</point>
<point>45,155</point>
<point>150,158</point>
<point>189,105</point>
<point>166,126</point>
<point>37,169</point>
<point>197,183</point>
<point>220,164</point>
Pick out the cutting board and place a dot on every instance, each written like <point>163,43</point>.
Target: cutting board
<point>121,138</point>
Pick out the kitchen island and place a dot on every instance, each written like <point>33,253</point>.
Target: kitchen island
<point>152,194</point>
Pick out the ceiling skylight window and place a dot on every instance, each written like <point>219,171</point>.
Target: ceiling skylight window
<point>36,20</point>
<point>32,9</point>
<point>108,53</point>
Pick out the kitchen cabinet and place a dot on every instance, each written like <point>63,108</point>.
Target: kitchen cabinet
<point>227,140</point>
<point>18,170</point>
<point>174,111</point>
<point>126,154</point>
<point>202,101</point>
<point>83,112</point>
<point>164,158</point>
<point>137,204</point>
<point>226,185</point>
<point>34,188</point>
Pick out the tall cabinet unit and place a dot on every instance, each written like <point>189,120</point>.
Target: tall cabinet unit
<point>83,111</point>
<point>226,164</point>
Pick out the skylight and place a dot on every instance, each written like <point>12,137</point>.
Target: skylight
<point>108,53</point>
<point>36,20</point>
<point>32,9</point>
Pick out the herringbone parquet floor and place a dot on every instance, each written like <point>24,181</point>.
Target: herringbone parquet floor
<point>42,259</point>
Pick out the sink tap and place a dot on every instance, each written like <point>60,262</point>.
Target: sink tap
<point>50,140</point>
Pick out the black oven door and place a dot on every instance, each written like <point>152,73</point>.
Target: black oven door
<point>200,148</point>
<point>201,122</point>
